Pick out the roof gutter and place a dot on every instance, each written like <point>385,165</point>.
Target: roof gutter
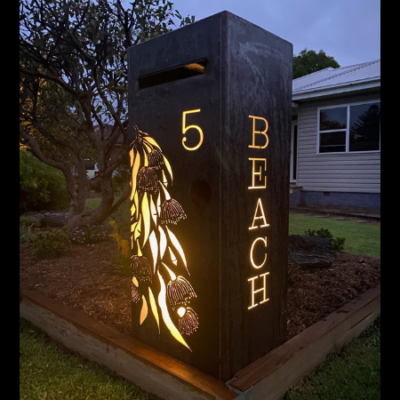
<point>337,89</point>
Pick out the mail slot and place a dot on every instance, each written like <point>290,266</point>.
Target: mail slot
<point>210,117</point>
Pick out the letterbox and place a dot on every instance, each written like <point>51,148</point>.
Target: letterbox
<point>210,114</point>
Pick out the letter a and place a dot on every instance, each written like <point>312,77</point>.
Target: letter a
<point>262,216</point>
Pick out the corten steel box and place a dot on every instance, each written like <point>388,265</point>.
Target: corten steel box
<point>230,161</point>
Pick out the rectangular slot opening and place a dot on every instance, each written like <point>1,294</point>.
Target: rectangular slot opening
<point>173,74</point>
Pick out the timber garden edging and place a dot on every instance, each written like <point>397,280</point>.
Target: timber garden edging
<point>267,378</point>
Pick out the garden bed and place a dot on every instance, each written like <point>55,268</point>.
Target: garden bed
<point>82,280</point>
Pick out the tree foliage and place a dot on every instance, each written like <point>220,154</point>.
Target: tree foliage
<point>308,61</point>
<point>40,187</point>
<point>73,87</point>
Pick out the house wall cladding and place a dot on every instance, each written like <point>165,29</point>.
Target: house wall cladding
<point>347,172</point>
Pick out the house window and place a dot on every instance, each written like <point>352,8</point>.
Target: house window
<point>350,128</point>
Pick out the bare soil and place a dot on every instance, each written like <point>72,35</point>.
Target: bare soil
<point>82,280</point>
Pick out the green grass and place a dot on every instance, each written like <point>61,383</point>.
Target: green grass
<point>351,374</point>
<point>47,372</point>
<point>360,238</point>
<point>93,203</point>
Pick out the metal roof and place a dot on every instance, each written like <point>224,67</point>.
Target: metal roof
<point>330,78</point>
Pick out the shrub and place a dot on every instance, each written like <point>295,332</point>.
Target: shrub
<point>41,187</point>
<point>51,243</point>
<point>90,234</point>
<point>338,243</point>
<point>120,179</point>
<point>28,221</point>
<point>27,224</point>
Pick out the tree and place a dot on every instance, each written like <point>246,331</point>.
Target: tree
<point>309,61</point>
<point>73,83</point>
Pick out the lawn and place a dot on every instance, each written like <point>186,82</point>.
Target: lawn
<point>48,372</point>
<point>352,373</point>
<point>360,238</point>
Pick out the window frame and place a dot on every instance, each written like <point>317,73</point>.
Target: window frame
<point>347,130</point>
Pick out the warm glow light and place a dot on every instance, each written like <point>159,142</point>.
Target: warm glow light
<point>166,194</point>
<point>150,140</point>
<point>153,306</point>
<point>153,209</point>
<point>252,249</point>
<point>168,166</point>
<point>135,170</point>
<point>147,147</point>
<point>163,242</point>
<point>136,201</point>
<point>149,172</point>
<point>144,311</point>
<point>263,289</point>
<point>164,179</point>
<point>196,67</point>
<point>173,258</point>
<point>259,206</point>
<point>165,314</point>
<point>264,133</point>
<point>181,311</point>
<point>146,217</point>
<point>178,247</point>
<point>136,228</point>
<point>154,248</point>
<point>171,273</point>
<point>159,203</point>
<point>258,173</point>
<point>186,128</point>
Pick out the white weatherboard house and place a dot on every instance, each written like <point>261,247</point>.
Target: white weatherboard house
<point>336,137</point>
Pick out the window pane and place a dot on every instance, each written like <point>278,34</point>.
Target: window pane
<point>332,138</point>
<point>364,127</point>
<point>333,118</point>
<point>332,149</point>
<point>332,142</point>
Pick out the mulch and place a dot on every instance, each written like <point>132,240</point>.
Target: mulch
<point>82,279</point>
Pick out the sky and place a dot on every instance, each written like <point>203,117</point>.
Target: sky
<point>348,30</point>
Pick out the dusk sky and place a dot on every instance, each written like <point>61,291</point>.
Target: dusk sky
<point>348,30</point>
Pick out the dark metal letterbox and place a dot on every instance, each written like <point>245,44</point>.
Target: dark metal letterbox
<point>210,194</point>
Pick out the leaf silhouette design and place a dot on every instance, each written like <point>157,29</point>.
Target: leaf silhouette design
<point>146,217</point>
<point>152,205</point>
<point>144,311</point>
<point>153,210</point>
<point>154,248</point>
<point>165,314</point>
<point>153,307</point>
<point>150,140</point>
<point>169,169</point>
<point>135,170</point>
<point>163,242</point>
<point>178,247</point>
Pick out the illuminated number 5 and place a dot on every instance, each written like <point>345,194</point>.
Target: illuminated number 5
<point>186,128</point>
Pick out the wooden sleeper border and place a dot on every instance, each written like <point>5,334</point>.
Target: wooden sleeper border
<point>268,378</point>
